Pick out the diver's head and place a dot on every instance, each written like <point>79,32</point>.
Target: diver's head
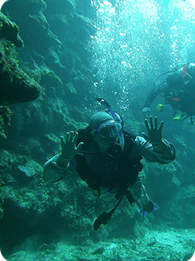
<point>104,129</point>
<point>175,82</point>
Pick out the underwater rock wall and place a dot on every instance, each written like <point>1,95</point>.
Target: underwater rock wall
<point>15,85</point>
<point>57,61</point>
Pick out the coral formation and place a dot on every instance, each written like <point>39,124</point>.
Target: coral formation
<point>5,118</point>
<point>15,85</point>
<point>1,197</point>
<point>10,31</point>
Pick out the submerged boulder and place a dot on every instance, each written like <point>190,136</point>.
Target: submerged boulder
<point>10,31</point>
<point>15,85</point>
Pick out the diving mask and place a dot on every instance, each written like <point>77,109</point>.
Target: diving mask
<point>108,131</point>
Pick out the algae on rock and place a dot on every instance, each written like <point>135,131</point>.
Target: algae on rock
<point>15,85</point>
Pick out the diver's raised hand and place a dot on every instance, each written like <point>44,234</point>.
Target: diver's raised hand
<point>68,144</point>
<point>154,133</point>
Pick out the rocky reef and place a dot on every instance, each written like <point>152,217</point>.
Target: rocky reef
<point>15,85</point>
<point>10,31</point>
<point>59,65</point>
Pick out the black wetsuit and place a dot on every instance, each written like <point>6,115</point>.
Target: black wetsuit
<point>121,169</point>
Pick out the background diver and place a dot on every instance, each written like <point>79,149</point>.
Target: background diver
<point>178,91</point>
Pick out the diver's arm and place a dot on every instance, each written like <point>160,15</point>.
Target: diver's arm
<point>162,153</point>
<point>53,172</point>
<point>152,146</point>
<point>58,166</point>
<point>153,93</point>
<point>190,72</point>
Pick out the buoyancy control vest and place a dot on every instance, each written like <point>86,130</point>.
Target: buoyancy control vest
<point>128,164</point>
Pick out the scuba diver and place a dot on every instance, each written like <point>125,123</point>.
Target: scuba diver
<point>178,91</point>
<point>108,159</point>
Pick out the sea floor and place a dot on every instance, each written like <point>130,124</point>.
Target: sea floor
<point>173,245</point>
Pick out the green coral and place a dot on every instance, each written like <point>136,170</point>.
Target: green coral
<point>10,31</point>
<point>15,85</point>
<point>8,54</point>
<point>1,197</point>
<point>5,117</point>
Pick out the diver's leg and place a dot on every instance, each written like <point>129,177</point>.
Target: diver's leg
<point>138,192</point>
